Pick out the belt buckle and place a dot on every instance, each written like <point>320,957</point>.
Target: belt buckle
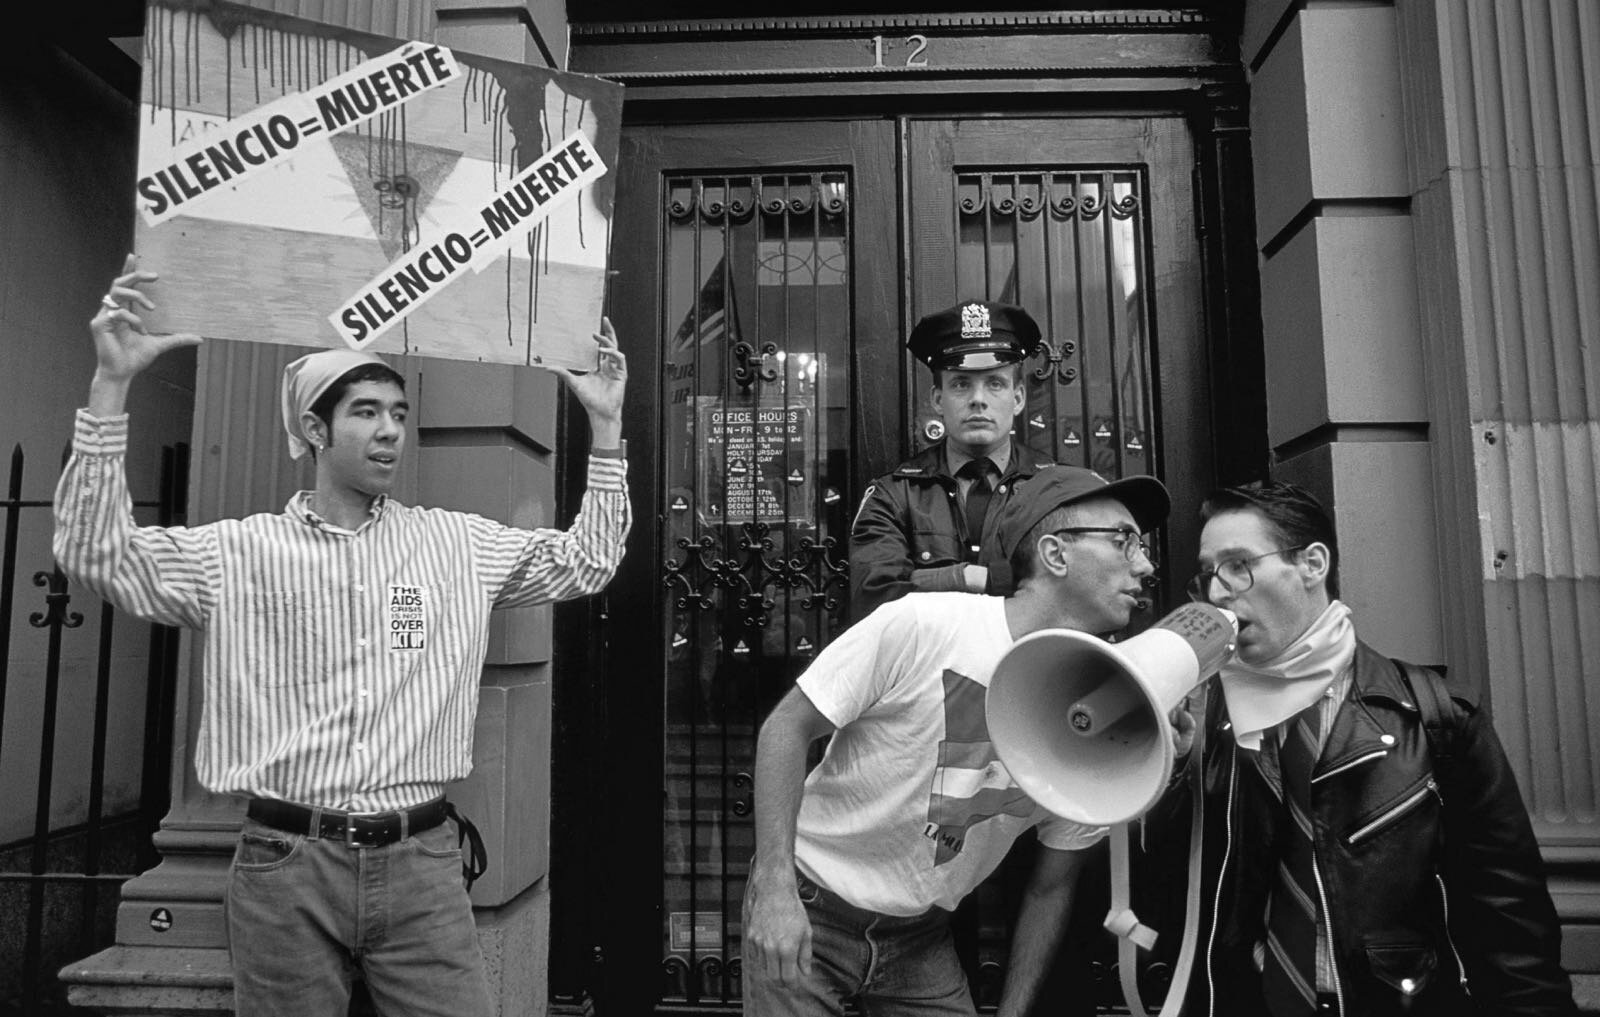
<point>350,832</point>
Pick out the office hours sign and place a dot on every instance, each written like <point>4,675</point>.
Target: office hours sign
<point>757,464</point>
<point>310,185</point>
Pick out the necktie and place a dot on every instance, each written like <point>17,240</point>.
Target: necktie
<point>977,500</point>
<point>1289,968</point>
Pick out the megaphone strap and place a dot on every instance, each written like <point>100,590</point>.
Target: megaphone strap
<point>1122,921</point>
<point>1133,934</point>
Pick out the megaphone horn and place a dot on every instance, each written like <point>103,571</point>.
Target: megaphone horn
<point>1081,723</point>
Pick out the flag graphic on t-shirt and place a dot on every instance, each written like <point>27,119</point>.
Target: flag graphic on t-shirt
<point>970,784</point>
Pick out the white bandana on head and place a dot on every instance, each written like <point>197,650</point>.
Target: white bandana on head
<point>306,379</point>
<point>1262,696</point>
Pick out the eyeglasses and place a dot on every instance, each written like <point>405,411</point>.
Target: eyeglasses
<point>1126,540</point>
<point>1234,575</point>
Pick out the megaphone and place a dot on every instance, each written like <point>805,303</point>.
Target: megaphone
<point>1082,723</point>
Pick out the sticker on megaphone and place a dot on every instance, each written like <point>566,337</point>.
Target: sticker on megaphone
<point>1210,633</point>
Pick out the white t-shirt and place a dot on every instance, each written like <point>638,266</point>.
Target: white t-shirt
<point>911,806</point>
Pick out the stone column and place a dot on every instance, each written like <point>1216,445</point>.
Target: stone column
<point>485,444</point>
<point>1347,408</point>
<point>1502,131</point>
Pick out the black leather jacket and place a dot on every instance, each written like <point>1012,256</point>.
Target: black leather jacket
<point>1432,878</point>
<point>909,527</point>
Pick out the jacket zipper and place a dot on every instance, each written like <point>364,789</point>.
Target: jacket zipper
<point>1444,899</point>
<point>1327,925</point>
<point>1393,814</point>
<point>1369,757</point>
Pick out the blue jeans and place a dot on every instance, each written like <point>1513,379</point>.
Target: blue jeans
<point>891,967</point>
<point>304,914</point>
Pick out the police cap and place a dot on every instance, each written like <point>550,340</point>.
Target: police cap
<point>974,336</point>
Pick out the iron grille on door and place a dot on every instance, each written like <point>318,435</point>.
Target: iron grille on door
<point>1070,246</point>
<point>755,389</point>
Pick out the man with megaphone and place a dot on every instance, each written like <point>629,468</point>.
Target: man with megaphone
<point>1366,851</point>
<point>858,866</point>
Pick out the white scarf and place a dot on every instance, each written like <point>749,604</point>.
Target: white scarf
<point>1262,696</point>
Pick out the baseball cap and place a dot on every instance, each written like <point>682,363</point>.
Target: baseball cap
<point>1055,486</point>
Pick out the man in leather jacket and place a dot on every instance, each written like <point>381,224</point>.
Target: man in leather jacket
<point>915,527</point>
<point>1428,890</point>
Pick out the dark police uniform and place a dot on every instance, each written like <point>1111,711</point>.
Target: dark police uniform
<point>910,532</point>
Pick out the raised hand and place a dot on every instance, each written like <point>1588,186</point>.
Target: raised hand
<point>601,390</point>
<point>122,346</point>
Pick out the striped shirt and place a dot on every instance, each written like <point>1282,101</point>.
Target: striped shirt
<point>341,668</point>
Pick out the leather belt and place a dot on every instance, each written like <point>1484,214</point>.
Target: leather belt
<point>355,829</point>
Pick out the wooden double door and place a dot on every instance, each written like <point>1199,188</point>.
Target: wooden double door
<point>766,276</point>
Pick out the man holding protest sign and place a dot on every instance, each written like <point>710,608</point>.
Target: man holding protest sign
<point>344,639</point>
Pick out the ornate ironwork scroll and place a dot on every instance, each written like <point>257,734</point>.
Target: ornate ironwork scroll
<point>1071,246</point>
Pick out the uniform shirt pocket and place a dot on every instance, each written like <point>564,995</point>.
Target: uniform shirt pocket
<point>932,548</point>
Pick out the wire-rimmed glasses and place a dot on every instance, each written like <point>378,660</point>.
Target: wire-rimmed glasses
<point>1126,539</point>
<point>1233,573</point>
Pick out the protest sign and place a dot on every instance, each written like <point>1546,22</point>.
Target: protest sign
<point>555,178</point>
<point>315,186</point>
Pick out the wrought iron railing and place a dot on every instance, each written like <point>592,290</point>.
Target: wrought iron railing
<point>58,873</point>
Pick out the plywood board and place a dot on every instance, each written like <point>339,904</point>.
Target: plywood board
<point>313,186</point>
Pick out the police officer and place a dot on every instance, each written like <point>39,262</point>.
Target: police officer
<point>930,524</point>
